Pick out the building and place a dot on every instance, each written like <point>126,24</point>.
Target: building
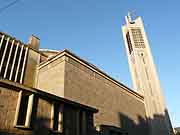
<point>144,75</point>
<point>177,130</point>
<point>29,111</point>
<point>63,90</point>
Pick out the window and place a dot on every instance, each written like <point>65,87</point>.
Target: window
<point>2,55</point>
<point>76,121</point>
<point>70,120</point>
<point>21,61</point>
<point>83,122</point>
<point>138,38</point>
<point>24,110</point>
<point>57,117</point>
<point>129,43</point>
<point>5,56</point>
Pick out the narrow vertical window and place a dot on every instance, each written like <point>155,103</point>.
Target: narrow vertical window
<point>2,68</point>
<point>85,120</point>
<point>2,47</point>
<point>21,65</point>
<point>9,68</point>
<point>15,62</point>
<point>129,42</point>
<point>57,117</point>
<point>24,109</point>
<point>84,123</point>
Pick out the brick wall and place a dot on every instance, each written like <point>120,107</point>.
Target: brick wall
<point>8,104</point>
<point>50,78</point>
<point>39,120</point>
<point>8,101</point>
<point>116,105</point>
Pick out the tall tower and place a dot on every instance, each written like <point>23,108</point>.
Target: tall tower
<point>144,76</point>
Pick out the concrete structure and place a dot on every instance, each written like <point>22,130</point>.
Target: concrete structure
<point>144,75</point>
<point>29,111</point>
<point>15,56</point>
<point>177,130</point>
<point>61,87</point>
<point>63,74</point>
<point>80,81</point>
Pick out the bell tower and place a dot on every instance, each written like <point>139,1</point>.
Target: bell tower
<point>144,75</point>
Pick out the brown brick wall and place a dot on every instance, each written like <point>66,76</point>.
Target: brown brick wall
<point>44,111</point>
<point>8,103</point>
<point>41,113</point>
<point>116,105</point>
<point>50,78</point>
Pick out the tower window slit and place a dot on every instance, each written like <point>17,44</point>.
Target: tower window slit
<point>129,43</point>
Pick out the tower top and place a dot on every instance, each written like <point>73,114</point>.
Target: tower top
<point>129,17</point>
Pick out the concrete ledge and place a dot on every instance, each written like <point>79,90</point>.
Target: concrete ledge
<point>16,86</point>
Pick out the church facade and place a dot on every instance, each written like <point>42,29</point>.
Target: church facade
<point>57,92</point>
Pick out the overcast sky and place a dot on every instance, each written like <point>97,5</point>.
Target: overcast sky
<point>92,30</point>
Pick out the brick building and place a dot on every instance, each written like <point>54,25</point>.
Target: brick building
<point>57,91</point>
<point>47,84</point>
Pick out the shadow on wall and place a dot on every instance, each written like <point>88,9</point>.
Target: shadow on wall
<point>40,127</point>
<point>142,127</point>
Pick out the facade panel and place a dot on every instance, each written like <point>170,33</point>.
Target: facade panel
<point>12,58</point>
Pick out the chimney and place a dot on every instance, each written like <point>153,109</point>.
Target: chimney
<point>34,42</point>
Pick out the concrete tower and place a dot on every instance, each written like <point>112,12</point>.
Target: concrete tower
<point>144,76</point>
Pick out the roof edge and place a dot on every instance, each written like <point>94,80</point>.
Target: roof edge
<point>67,53</point>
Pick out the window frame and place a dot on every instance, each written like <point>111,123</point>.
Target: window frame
<point>60,108</point>
<point>28,117</point>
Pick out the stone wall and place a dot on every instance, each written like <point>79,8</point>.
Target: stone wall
<point>72,117</point>
<point>117,105</point>
<point>50,78</point>
<point>8,101</point>
<point>8,104</point>
<point>82,82</point>
<point>44,110</point>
